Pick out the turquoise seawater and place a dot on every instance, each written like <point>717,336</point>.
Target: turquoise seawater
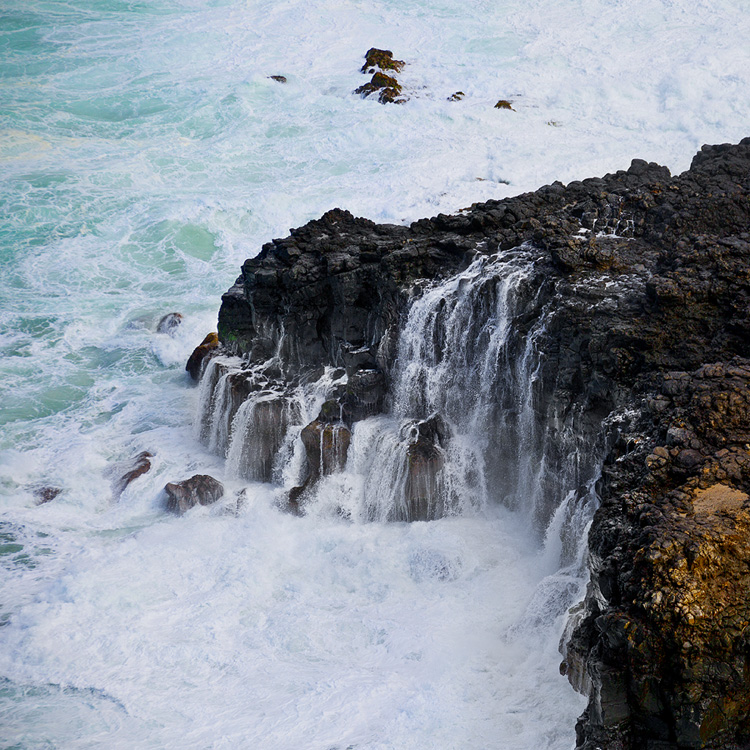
<point>144,154</point>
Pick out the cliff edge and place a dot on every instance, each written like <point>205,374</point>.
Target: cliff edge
<point>641,282</point>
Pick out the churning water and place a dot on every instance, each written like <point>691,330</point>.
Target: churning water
<point>144,153</point>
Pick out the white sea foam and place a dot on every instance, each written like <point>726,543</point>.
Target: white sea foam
<point>144,154</point>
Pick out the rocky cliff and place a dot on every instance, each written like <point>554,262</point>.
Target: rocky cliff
<point>624,360</point>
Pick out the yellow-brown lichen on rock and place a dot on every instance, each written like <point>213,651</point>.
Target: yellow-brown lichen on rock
<point>204,350</point>
<point>718,497</point>
<point>670,629</point>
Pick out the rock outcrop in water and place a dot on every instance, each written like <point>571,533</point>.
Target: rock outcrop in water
<point>512,351</point>
<point>200,489</point>
<point>383,66</point>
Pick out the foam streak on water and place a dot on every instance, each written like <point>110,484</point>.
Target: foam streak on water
<point>144,154</point>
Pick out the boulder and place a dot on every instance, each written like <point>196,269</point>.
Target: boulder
<point>201,354</point>
<point>199,489</point>
<point>382,59</point>
<point>387,88</point>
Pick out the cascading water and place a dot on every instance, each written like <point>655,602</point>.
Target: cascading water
<point>468,432</point>
<point>467,426</point>
<point>463,357</point>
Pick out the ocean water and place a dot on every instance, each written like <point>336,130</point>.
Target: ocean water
<point>144,154</point>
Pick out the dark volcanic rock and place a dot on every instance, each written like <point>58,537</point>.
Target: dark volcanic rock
<point>664,638</point>
<point>383,84</point>
<point>199,489</point>
<point>387,88</point>
<point>425,457</point>
<point>643,280</point>
<point>326,445</point>
<point>333,287</point>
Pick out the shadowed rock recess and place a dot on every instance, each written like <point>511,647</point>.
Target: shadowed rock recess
<point>581,348</point>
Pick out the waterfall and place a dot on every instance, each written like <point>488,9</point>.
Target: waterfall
<point>463,356</point>
<point>468,421</point>
<point>251,416</point>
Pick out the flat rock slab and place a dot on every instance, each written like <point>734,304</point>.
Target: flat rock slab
<point>718,497</point>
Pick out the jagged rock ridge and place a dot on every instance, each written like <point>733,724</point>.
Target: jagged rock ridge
<point>642,283</point>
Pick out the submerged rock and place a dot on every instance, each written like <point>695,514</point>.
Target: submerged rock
<point>139,466</point>
<point>45,493</point>
<point>169,323</point>
<point>199,489</point>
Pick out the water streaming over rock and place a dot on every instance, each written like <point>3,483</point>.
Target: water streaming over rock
<point>468,421</point>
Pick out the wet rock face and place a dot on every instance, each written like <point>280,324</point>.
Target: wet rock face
<point>263,436</point>
<point>645,282</point>
<point>200,489</point>
<point>425,457</point>
<point>201,354</point>
<point>326,445</point>
<point>664,640</point>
